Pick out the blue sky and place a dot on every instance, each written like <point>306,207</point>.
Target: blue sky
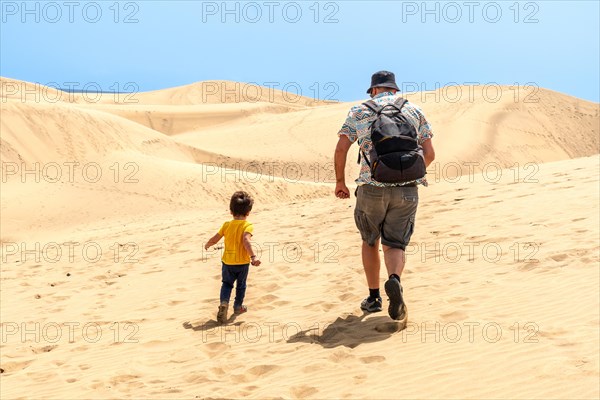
<point>324,49</point>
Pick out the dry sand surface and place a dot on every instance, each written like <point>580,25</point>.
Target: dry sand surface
<point>106,291</point>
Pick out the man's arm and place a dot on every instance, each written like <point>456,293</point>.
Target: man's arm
<point>425,134</point>
<point>428,152</point>
<point>341,153</point>
<point>212,241</point>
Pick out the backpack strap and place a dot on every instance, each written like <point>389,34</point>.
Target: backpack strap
<point>365,157</point>
<point>400,101</point>
<point>371,105</point>
<point>376,108</point>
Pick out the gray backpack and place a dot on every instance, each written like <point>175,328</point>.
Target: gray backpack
<point>396,156</point>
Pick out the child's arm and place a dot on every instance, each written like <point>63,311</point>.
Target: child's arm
<point>248,247</point>
<point>213,240</point>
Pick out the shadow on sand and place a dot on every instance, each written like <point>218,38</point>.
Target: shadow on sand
<point>211,324</point>
<point>351,331</point>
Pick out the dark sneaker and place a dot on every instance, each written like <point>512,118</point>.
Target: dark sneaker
<point>222,313</point>
<point>394,292</point>
<point>371,305</point>
<point>240,310</point>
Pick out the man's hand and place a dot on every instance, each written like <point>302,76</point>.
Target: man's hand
<point>255,261</point>
<point>341,191</point>
<point>206,246</point>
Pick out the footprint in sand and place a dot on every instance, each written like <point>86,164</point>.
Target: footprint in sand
<point>528,266</point>
<point>559,257</point>
<point>153,250</point>
<point>45,349</point>
<point>272,287</point>
<point>303,391</point>
<point>261,370</point>
<point>283,268</point>
<point>152,272</point>
<point>97,385</point>
<point>267,299</point>
<point>126,382</point>
<point>79,349</point>
<point>340,356</point>
<point>567,344</point>
<point>372,359</point>
<point>218,371</point>
<point>454,316</point>
<point>313,368</point>
<point>14,366</point>
<point>346,296</point>
<point>216,349</point>
<point>193,378</point>
<point>458,299</point>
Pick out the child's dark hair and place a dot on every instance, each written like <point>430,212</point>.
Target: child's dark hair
<point>241,204</point>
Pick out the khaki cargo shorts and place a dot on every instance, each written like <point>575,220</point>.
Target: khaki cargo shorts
<point>386,212</point>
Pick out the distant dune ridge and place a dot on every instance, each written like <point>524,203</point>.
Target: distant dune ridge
<point>149,175</point>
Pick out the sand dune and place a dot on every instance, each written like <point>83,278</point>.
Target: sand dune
<point>474,131</point>
<point>32,92</point>
<point>501,283</point>
<point>111,164</point>
<point>219,92</point>
<point>174,120</point>
<point>199,93</point>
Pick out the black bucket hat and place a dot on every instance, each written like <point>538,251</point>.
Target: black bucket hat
<point>383,79</point>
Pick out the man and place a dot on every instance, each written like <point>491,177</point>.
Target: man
<point>385,212</point>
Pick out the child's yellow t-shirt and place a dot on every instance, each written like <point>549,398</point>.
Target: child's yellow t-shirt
<point>235,253</point>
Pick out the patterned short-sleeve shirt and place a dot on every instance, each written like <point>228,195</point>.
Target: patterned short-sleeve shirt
<point>357,126</point>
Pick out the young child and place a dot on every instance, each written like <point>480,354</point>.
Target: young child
<point>238,254</point>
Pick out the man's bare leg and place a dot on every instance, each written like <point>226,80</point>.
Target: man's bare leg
<point>394,260</point>
<point>371,263</point>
